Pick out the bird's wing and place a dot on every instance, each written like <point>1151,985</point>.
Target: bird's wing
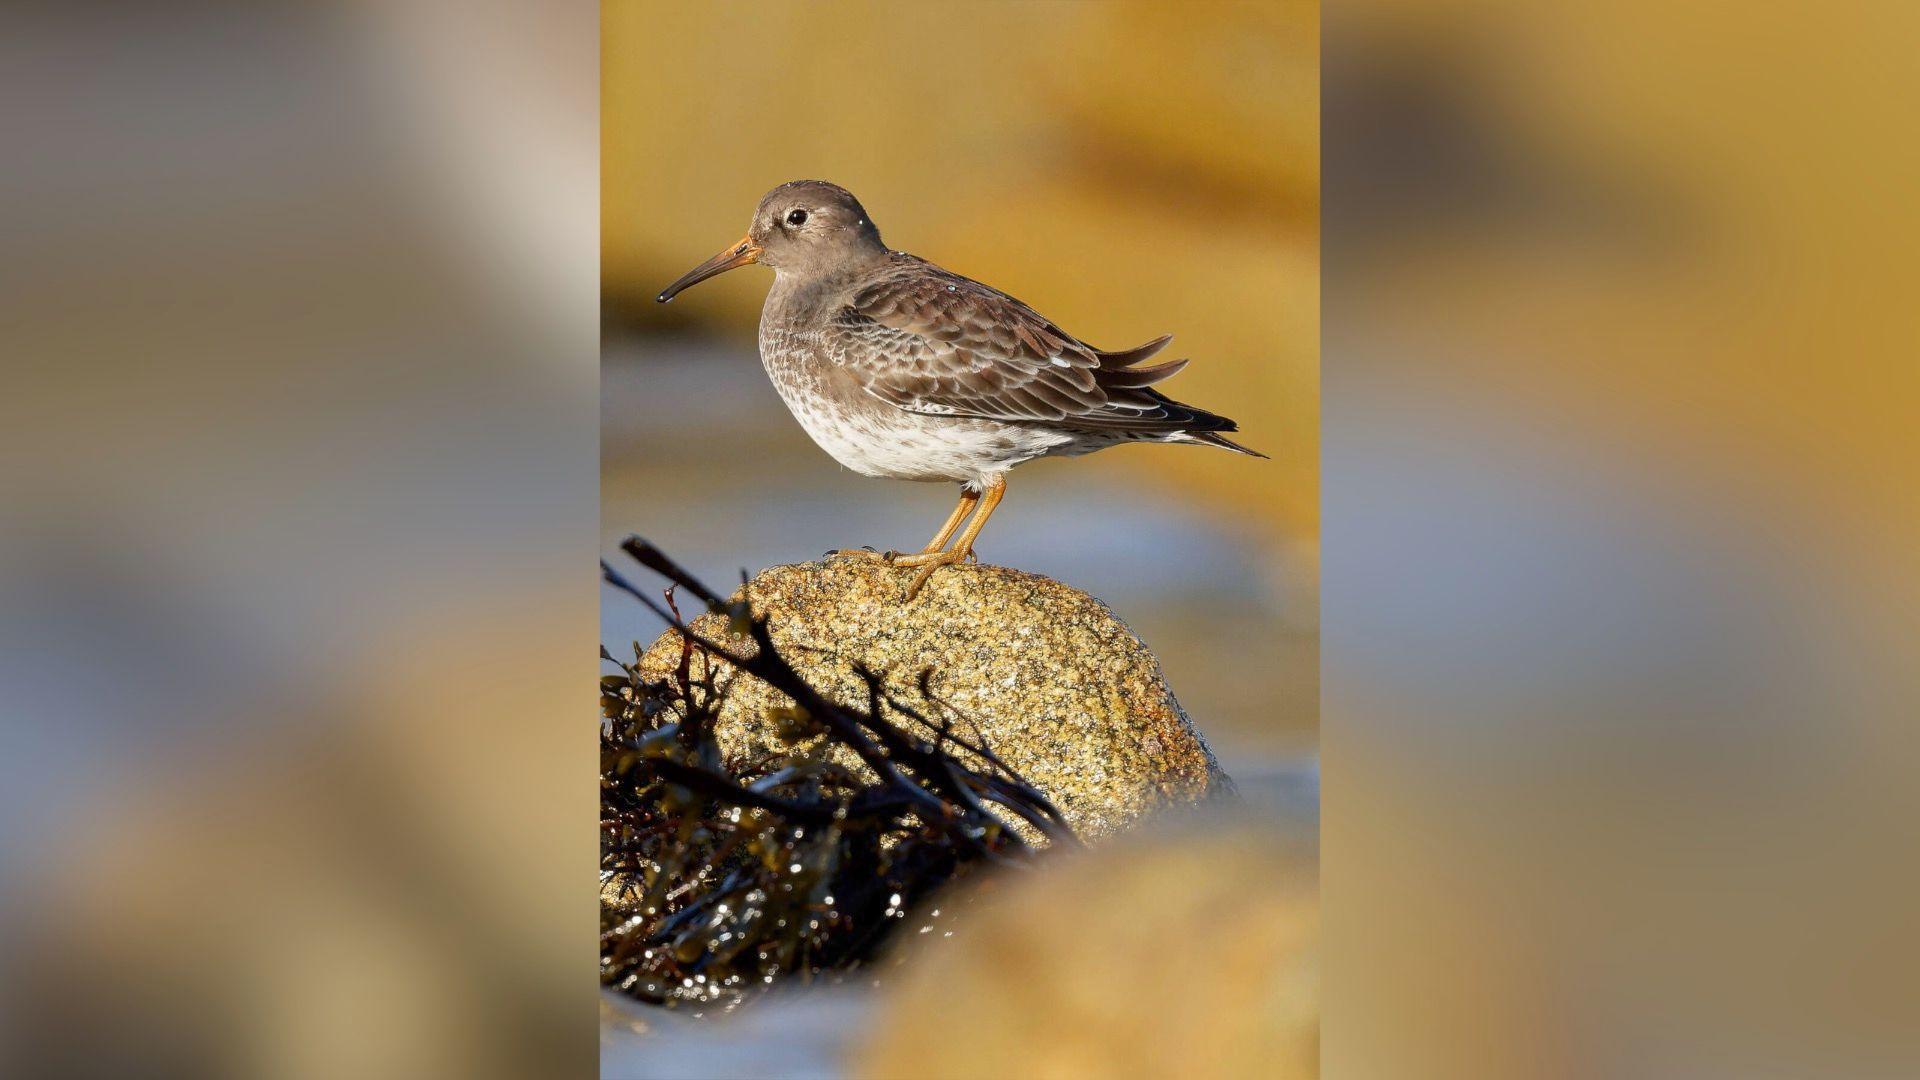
<point>933,342</point>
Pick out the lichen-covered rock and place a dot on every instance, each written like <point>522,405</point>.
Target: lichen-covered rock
<point>1043,674</point>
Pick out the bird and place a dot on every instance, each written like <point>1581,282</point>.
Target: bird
<point>902,369</point>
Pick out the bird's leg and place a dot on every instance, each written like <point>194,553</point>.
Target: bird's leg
<point>932,553</point>
<point>968,500</point>
<point>962,550</point>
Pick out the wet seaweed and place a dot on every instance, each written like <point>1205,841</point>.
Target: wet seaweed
<point>722,877</point>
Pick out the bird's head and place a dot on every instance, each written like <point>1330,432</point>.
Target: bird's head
<point>805,227</point>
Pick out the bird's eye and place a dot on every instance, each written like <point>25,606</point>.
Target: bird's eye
<point>797,217</point>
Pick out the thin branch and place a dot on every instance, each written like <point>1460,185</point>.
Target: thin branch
<point>710,783</point>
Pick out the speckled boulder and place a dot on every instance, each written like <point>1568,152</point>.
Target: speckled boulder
<point>1053,683</point>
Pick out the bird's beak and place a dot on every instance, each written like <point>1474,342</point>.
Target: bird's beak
<point>740,254</point>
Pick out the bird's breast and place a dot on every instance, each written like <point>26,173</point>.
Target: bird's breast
<point>874,438</point>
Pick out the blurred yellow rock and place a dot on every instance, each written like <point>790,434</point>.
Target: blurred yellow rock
<point>1186,950</point>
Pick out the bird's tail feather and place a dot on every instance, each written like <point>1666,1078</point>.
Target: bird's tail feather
<point>1214,438</point>
<point>1124,358</point>
<point>1135,378</point>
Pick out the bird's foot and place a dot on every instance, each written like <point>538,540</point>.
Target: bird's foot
<point>919,558</point>
<point>928,562</point>
<point>862,553</point>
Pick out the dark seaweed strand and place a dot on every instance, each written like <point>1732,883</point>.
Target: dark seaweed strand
<point>720,879</point>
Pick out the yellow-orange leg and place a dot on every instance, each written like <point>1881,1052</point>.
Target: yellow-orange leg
<point>962,550</point>
<point>968,500</point>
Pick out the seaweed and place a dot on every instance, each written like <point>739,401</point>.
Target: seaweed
<point>721,878</point>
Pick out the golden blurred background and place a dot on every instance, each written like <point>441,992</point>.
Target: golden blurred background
<point>1129,169</point>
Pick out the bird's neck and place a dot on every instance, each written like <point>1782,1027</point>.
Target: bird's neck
<point>817,289</point>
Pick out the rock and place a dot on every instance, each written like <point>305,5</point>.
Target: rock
<point>1188,948</point>
<point>1052,682</point>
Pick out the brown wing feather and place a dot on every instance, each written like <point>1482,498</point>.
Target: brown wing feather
<point>930,341</point>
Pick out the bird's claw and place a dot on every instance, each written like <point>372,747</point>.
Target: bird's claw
<point>934,561</point>
<point>924,562</point>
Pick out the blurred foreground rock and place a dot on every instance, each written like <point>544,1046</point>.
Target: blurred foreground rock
<point>1189,949</point>
<point>1043,674</point>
